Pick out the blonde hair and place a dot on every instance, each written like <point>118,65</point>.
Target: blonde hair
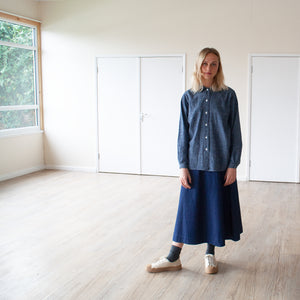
<point>218,82</point>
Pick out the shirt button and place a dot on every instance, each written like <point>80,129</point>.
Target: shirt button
<point>207,89</point>
<point>206,112</point>
<point>205,124</point>
<point>206,149</point>
<point>206,137</point>
<point>206,100</point>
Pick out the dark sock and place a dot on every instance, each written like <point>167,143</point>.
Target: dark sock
<point>210,249</point>
<point>174,253</point>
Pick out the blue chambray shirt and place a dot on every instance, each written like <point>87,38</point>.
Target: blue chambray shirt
<point>209,136</point>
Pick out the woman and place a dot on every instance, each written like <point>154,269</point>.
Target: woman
<point>209,151</point>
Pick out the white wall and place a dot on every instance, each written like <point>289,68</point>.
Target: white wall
<point>21,154</point>
<point>23,8</point>
<point>74,32</point>
<point>24,153</point>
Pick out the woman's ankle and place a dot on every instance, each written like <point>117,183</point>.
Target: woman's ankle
<point>174,253</point>
<point>179,245</point>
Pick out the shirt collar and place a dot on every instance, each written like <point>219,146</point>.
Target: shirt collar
<point>203,88</point>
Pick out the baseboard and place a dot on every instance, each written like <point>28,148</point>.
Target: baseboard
<point>63,168</point>
<point>21,172</point>
<point>71,168</point>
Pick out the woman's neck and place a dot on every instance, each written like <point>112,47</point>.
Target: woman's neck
<point>207,83</point>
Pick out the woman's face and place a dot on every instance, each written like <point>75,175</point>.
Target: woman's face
<point>210,66</point>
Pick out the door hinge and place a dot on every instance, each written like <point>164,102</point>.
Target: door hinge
<point>98,155</point>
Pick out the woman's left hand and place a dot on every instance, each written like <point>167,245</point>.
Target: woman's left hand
<point>230,176</point>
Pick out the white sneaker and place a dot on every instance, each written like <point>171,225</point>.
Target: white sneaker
<point>211,266</point>
<point>163,264</point>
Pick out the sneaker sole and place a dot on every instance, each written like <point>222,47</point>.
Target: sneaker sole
<point>211,270</point>
<point>158,270</point>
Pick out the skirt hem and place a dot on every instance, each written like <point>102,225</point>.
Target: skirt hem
<point>215,243</point>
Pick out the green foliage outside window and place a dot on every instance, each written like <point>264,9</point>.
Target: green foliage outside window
<point>14,33</point>
<point>18,118</point>
<point>17,75</point>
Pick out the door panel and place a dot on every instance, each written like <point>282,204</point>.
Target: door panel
<point>161,91</point>
<point>274,119</point>
<point>119,106</point>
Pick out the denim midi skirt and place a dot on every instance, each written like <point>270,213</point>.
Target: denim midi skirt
<point>208,212</point>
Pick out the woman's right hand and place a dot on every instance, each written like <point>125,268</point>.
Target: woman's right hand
<point>185,178</point>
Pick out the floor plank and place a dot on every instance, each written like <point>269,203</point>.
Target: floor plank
<point>69,235</point>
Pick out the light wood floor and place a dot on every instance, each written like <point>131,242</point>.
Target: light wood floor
<point>68,235</point>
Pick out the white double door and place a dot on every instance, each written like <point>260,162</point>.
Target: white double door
<point>138,113</point>
<point>275,113</point>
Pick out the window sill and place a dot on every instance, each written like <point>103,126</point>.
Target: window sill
<point>19,132</point>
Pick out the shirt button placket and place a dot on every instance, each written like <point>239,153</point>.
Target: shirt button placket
<point>206,128</point>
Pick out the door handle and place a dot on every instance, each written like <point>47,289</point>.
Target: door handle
<point>143,116</point>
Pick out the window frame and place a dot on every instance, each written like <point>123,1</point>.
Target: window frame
<point>37,74</point>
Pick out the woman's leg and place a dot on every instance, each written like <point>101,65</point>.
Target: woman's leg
<point>174,251</point>
<point>180,245</point>
<point>210,249</point>
<point>210,260</point>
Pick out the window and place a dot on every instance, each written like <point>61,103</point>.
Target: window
<point>19,80</point>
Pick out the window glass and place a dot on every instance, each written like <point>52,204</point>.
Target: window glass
<point>16,76</point>
<point>15,33</point>
<point>18,118</point>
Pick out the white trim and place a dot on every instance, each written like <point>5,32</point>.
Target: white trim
<point>248,156</point>
<point>97,117</point>
<point>18,16</point>
<point>21,172</point>
<point>18,107</point>
<point>71,168</point>
<point>141,55</point>
<point>140,110</point>
<point>5,133</point>
<point>15,45</point>
<point>184,72</point>
<point>37,78</point>
<point>273,55</point>
<point>298,127</point>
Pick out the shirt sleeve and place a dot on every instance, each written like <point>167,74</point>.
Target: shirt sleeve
<point>236,137</point>
<point>183,134</point>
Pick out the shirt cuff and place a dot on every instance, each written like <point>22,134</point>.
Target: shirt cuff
<point>233,165</point>
<point>183,165</point>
